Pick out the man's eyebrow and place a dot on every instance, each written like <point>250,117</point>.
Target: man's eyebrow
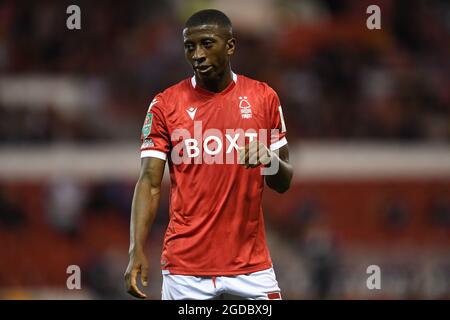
<point>208,38</point>
<point>202,38</point>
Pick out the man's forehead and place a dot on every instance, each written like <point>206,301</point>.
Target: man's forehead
<point>207,30</point>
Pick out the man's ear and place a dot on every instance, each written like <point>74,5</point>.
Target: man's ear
<point>231,45</point>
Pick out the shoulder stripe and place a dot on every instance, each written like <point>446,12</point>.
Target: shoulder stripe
<point>283,125</point>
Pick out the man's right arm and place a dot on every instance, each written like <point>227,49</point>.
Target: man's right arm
<point>143,210</point>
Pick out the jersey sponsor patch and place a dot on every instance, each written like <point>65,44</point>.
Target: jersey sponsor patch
<point>148,143</point>
<point>147,128</point>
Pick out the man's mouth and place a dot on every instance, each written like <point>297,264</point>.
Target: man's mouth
<point>203,69</point>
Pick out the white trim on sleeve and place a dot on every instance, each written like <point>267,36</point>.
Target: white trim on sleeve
<point>153,154</point>
<point>277,145</point>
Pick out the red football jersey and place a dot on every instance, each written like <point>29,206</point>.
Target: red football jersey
<point>216,224</point>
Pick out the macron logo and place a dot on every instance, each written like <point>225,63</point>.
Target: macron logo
<point>191,111</point>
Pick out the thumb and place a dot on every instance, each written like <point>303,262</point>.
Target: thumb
<point>144,275</point>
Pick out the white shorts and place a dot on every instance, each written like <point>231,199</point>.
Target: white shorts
<point>260,285</point>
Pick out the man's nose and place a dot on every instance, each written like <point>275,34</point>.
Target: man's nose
<point>199,54</point>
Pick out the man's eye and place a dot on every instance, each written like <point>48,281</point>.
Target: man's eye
<point>207,44</point>
<point>189,47</point>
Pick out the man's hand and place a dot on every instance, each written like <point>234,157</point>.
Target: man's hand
<point>254,154</point>
<point>137,265</point>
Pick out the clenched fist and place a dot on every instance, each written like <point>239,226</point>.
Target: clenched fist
<point>254,154</point>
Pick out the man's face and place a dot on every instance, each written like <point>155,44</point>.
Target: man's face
<point>208,49</point>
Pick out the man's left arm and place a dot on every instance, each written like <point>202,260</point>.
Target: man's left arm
<point>275,155</point>
<point>281,180</point>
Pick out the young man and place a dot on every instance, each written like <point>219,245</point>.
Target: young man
<point>222,135</point>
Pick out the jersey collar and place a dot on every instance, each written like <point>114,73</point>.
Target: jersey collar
<point>228,88</point>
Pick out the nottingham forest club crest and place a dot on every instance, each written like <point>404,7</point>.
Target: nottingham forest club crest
<point>245,107</point>
<point>147,125</point>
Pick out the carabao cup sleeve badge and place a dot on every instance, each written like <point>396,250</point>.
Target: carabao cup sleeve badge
<point>147,125</point>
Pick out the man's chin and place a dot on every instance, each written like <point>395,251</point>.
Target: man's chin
<point>205,76</point>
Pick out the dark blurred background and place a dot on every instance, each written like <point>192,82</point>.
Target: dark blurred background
<point>368,118</point>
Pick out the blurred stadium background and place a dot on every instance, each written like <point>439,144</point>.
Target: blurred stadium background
<point>368,117</point>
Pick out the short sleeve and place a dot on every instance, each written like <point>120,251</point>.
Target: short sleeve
<point>278,126</point>
<point>155,136</point>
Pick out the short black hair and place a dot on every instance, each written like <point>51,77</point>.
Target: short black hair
<point>209,16</point>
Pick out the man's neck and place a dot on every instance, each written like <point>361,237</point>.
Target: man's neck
<point>218,84</point>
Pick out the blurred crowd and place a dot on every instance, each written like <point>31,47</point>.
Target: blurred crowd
<point>321,239</point>
<point>336,78</point>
